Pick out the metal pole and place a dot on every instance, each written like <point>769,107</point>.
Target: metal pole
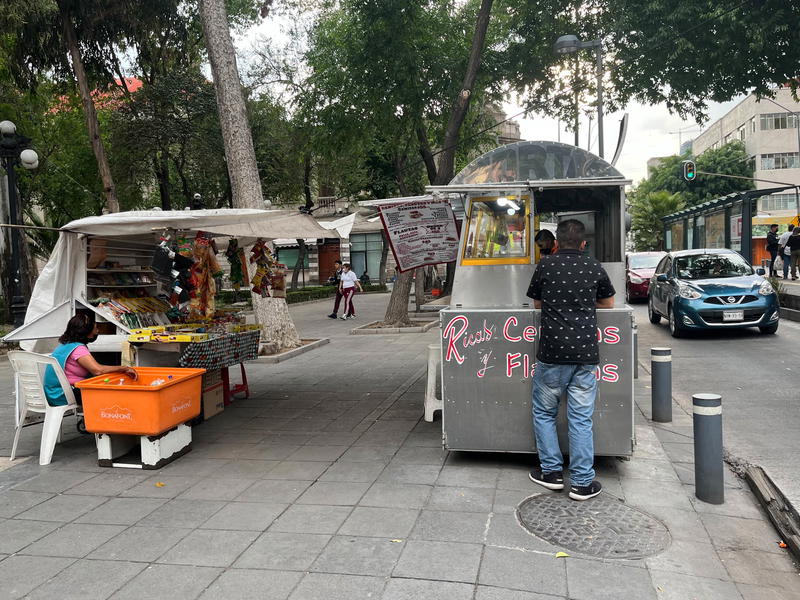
<point>17,299</point>
<point>577,112</point>
<point>708,467</point>
<point>661,372</point>
<point>599,51</point>
<point>635,351</point>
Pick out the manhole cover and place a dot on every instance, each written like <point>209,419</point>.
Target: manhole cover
<point>603,526</point>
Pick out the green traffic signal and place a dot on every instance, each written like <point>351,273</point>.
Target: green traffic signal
<point>689,170</point>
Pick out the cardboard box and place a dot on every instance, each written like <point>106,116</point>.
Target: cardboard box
<point>212,378</point>
<point>213,401</point>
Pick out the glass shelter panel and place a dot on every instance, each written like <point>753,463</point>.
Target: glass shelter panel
<point>497,231</point>
<point>715,230</point>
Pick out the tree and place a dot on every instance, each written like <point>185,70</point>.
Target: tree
<point>665,191</point>
<point>647,210</point>
<point>277,329</point>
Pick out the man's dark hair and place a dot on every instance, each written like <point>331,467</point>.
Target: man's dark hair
<point>79,329</point>
<point>570,234</point>
<point>791,227</point>
<point>775,225</point>
<point>337,262</point>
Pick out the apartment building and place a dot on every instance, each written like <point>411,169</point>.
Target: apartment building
<point>770,134</point>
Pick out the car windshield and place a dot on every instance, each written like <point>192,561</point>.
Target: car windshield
<point>644,261</point>
<point>711,266</point>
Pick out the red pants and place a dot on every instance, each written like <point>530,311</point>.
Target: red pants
<point>347,295</point>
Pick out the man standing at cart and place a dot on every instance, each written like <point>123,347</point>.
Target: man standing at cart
<point>567,286</point>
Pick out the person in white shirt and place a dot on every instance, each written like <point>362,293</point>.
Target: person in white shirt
<point>782,249</point>
<point>347,285</point>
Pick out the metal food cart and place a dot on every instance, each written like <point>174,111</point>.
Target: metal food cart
<point>490,330</point>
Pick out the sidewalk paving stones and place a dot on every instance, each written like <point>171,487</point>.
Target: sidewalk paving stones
<point>311,491</point>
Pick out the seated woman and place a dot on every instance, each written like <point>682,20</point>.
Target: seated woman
<point>546,241</point>
<point>76,360</point>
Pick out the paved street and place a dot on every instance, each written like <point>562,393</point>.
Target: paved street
<point>758,377</point>
<point>326,484</point>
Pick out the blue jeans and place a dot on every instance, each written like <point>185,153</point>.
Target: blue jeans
<point>580,383</point>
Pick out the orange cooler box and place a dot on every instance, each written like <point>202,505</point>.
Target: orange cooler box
<point>138,408</point>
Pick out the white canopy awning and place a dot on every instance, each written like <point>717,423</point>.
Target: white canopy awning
<point>234,222</point>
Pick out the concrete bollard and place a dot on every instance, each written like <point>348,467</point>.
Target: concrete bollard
<point>708,467</point>
<point>661,371</point>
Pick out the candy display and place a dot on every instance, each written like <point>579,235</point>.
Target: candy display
<point>223,351</point>
<point>238,262</point>
<point>135,312</point>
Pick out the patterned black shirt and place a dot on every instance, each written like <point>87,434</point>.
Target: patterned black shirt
<point>569,284</point>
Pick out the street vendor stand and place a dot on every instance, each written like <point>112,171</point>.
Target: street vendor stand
<point>490,331</point>
<point>148,276</point>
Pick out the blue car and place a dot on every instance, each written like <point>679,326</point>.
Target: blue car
<point>711,289</point>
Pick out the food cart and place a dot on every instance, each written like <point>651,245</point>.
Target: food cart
<point>490,330</point>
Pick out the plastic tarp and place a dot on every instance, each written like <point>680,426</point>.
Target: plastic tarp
<point>63,278</point>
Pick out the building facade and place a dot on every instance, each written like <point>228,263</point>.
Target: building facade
<point>771,138</point>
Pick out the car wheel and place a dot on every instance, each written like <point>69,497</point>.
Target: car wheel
<point>675,328</point>
<point>654,317</point>
<point>627,295</point>
<point>769,329</point>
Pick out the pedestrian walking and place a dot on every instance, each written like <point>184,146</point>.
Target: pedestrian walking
<point>349,283</point>
<point>567,286</point>
<point>784,251</point>
<point>794,245</point>
<point>773,247</point>
<point>335,279</point>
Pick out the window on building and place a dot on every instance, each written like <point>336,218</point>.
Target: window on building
<point>727,138</point>
<point>778,202</point>
<point>780,160</point>
<point>365,254</point>
<point>783,120</point>
<point>742,134</point>
<point>753,125</point>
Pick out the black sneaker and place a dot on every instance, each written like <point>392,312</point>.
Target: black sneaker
<point>552,481</point>
<point>584,492</point>
<point>332,316</point>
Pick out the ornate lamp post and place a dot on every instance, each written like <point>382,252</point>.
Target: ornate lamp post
<point>14,151</point>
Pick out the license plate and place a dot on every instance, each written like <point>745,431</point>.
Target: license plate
<point>733,315</point>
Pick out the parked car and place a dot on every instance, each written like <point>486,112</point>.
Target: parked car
<point>639,268</point>
<point>711,289</point>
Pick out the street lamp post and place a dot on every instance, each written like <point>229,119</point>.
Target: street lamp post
<point>567,44</point>
<point>14,151</point>
<point>796,116</point>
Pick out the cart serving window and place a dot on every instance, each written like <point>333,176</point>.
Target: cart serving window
<point>497,231</point>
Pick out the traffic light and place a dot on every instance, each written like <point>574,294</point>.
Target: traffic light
<point>689,172</point>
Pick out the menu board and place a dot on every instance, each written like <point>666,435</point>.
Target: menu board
<point>421,233</point>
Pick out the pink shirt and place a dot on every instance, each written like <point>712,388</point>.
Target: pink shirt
<point>72,369</point>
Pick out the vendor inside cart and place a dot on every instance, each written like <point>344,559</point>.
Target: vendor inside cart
<point>76,359</point>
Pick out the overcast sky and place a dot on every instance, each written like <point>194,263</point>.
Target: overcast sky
<point>649,127</point>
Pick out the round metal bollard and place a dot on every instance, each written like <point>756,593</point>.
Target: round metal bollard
<point>709,485</point>
<point>661,392</point>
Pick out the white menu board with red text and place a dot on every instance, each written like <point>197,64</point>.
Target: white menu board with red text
<point>421,233</point>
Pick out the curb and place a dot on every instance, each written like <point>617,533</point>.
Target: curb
<point>276,358</point>
<point>790,314</point>
<point>780,511</point>
<point>367,330</point>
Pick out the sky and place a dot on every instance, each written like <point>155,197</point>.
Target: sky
<point>652,130</point>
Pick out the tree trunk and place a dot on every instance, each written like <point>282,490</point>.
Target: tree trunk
<point>307,182</point>
<point>446,168</point>
<point>161,168</point>
<point>92,124</point>
<point>236,135</point>
<point>384,257</point>
<point>298,266</point>
<point>179,169</point>
<point>397,311</point>
<point>277,328</point>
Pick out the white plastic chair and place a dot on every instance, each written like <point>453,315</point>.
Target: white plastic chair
<point>29,368</point>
